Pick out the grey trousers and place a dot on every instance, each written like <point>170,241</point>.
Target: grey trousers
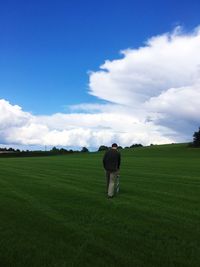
<point>111,178</point>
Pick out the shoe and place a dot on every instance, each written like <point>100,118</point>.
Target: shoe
<point>110,196</point>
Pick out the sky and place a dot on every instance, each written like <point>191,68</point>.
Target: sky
<point>90,73</point>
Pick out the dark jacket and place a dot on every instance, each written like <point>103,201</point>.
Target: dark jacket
<point>112,160</point>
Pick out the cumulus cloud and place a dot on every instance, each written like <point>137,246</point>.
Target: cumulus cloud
<point>166,61</point>
<point>77,129</point>
<point>160,79</point>
<point>12,115</point>
<point>151,95</point>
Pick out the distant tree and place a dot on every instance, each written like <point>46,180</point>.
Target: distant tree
<point>103,148</point>
<point>63,151</point>
<point>196,138</point>
<point>120,147</point>
<point>136,145</point>
<point>55,149</point>
<point>84,149</point>
<point>11,149</point>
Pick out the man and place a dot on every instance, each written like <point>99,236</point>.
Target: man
<point>111,163</point>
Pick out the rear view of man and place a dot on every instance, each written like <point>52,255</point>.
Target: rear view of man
<point>111,163</point>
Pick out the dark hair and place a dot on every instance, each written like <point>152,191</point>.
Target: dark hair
<point>114,145</point>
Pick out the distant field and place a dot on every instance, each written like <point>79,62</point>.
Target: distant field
<point>54,212</point>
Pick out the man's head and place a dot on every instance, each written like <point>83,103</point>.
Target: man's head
<point>114,146</point>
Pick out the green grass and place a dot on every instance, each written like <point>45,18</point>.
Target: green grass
<point>54,212</point>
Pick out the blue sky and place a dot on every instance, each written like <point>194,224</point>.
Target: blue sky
<point>47,47</point>
<point>49,50</point>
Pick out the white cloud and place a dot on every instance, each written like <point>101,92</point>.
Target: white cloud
<point>161,81</point>
<point>78,130</point>
<point>166,61</point>
<point>12,115</point>
<point>180,102</point>
<point>152,94</point>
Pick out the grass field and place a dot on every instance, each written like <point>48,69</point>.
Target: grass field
<point>54,212</point>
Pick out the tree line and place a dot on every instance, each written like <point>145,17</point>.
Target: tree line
<point>11,152</point>
<point>103,147</point>
<point>56,150</point>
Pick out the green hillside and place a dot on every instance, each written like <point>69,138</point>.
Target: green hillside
<point>54,211</point>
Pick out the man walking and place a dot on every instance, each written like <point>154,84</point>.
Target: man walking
<point>111,163</point>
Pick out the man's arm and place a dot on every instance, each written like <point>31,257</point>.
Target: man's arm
<point>119,161</point>
<point>104,159</point>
